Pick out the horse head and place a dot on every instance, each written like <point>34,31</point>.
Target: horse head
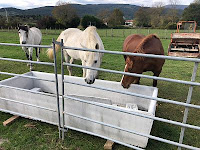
<point>23,33</point>
<point>129,67</point>
<point>92,59</point>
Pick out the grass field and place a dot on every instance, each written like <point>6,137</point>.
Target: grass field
<point>44,136</point>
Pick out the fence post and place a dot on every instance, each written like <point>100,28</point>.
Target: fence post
<point>112,32</point>
<point>63,92</point>
<point>57,92</point>
<point>188,102</point>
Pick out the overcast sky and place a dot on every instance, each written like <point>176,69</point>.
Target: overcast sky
<point>26,4</point>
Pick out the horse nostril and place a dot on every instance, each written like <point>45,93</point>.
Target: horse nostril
<point>23,42</point>
<point>126,87</point>
<point>90,82</point>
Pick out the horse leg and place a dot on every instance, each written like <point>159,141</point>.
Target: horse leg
<point>37,53</point>
<point>156,73</point>
<point>30,57</point>
<point>84,70</point>
<point>69,68</point>
<point>27,54</point>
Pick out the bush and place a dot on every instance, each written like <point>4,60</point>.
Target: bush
<point>91,20</point>
<point>171,26</point>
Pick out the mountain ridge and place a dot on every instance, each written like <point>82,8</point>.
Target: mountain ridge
<point>89,9</point>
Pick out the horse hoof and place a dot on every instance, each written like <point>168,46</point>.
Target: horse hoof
<point>31,68</point>
<point>38,60</point>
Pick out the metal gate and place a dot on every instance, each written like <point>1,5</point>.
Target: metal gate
<point>62,112</point>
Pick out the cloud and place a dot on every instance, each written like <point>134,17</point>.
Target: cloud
<point>136,2</point>
<point>26,4</point>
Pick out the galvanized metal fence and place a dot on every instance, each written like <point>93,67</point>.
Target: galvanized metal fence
<point>187,105</point>
<point>31,77</point>
<point>62,112</point>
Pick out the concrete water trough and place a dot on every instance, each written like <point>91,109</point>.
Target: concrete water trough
<point>23,101</point>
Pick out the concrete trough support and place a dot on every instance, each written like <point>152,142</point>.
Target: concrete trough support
<point>30,105</point>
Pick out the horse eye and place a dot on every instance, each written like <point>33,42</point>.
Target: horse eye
<point>97,46</point>
<point>95,61</point>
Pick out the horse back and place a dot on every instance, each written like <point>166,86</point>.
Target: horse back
<point>131,43</point>
<point>151,44</point>
<point>35,35</point>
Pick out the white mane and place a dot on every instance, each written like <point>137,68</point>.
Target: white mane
<point>89,39</point>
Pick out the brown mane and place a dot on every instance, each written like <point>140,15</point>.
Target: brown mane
<point>140,47</point>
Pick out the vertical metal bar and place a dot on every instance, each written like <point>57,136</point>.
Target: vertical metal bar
<point>57,92</point>
<point>63,93</point>
<point>188,102</point>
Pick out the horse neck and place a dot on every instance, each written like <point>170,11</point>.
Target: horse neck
<point>90,39</point>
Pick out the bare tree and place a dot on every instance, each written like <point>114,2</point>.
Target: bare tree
<point>173,12</point>
<point>104,15</point>
<point>196,1</point>
<point>65,14</point>
<point>157,14</point>
<point>116,18</point>
<point>143,17</point>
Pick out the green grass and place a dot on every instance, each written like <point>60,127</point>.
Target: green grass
<point>44,136</point>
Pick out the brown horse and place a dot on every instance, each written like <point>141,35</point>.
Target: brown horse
<point>136,43</point>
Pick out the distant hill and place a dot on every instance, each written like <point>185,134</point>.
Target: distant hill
<point>181,7</point>
<point>93,9</point>
<point>43,11</point>
<point>89,9</point>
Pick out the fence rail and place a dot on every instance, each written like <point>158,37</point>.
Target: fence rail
<point>191,83</point>
<point>27,76</point>
<point>61,109</point>
<point>162,33</point>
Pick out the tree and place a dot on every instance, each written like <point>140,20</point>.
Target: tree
<point>192,12</point>
<point>142,17</point>
<point>196,1</point>
<point>66,15</point>
<point>157,14</point>
<point>116,18</point>
<point>46,22</point>
<point>104,15</point>
<point>172,14</point>
<point>91,20</point>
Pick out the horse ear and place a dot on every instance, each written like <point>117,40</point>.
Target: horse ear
<point>18,26</point>
<point>28,26</point>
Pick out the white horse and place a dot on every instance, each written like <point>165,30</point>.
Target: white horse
<point>31,36</point>
<point>88,38</point>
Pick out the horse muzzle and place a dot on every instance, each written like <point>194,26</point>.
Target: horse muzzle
<point>125,86</point>
<point>89,81</point>
<point>23,42</point>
